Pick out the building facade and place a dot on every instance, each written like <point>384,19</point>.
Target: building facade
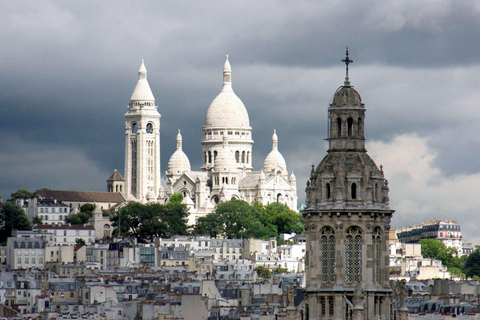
<point>446,231</point>
<point>227,171</point>
<point>142,144</point>
<point>347,221</point>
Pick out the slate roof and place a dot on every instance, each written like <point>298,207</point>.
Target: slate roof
<point>82,196</point>
<point>115,176</point>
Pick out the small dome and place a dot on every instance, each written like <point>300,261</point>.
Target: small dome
<point>292,178</point>
<point>179,162</point>
<point>274,160</point>
<point>346,96</point>
<point>150,195</point>
<point>225,160</point>
<point>142,91</point>
<point>227,110</point>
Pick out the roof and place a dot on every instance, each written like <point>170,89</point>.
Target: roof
<point>115,176</point>
<point>81,196</point>
<point>63,227</point>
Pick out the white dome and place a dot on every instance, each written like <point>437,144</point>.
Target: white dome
<point>225,160</point>
<point>142,91</point>
<point>292,178</point>
<point>179,162</point>
<point>227,110</point>
<point>274,160</point>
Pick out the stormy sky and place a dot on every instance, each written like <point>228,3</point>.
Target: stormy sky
<point>67,71</point>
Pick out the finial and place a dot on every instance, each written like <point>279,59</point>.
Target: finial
<point>227,56</point>
<point>178,131</point>
<point>142,72</point>
<point>179,140</point>
<point>347,61</point>
<point>227,74</point>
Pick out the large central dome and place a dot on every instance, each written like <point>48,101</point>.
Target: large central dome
<point>227,110</point>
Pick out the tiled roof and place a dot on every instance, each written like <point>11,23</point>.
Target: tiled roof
<point>115,176</point>
<point>81,196</point>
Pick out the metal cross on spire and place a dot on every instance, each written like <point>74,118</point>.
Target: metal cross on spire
<point>347,61</point>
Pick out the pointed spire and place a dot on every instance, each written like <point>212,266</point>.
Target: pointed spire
<point>227,75</point>
<point>179,140</point>
<point>274,140</point>
<point>142,72</point>
<point>142,91</point>
<point>347,61</point>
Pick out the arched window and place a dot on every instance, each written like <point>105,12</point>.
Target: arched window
<point>134,128</point>
<point>375,194</point>
<point>243,157</point>
<point>350,127</point>
<point>215,199</point>
<point>205,156</point>
<point>327,191</point>
<point>376,254</point>
<point>279,197</point>
<point>327,248</point>
<point>237,156</point>
<point>339,127</point>
<point>226,180</point>
<point>248,156</point>
<point>214,155</point>
<point>209,157</point>
<point>354,255</point>
<point>149,128</point>
<point>354,191</point>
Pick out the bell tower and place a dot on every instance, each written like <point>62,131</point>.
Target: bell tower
<point>347,221</point>
<point>142,143</point>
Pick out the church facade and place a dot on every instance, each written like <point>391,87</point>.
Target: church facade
<point>226,172</point>
<point>347,222</point>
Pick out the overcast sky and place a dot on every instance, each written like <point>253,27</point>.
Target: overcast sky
<point>68,68</point>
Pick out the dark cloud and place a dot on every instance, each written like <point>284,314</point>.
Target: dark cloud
<point>67,70</point>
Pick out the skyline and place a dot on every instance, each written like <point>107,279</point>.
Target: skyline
<point>68,71</point>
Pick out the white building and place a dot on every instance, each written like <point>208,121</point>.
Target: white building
<point>25,252</point>
<point>227,171</point>
<point>50,211</point>
<point>68,234</point>
<point>142,144</point>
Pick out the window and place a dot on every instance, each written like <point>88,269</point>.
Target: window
<point>339,127</point>
<point>350,127</point>
<point>354,191</point>
<point>353,255</point>
<point>376,254</point>
<point>327,191</point>
<point>149,128</point>
<point>237,156</point>
<point>327,248</point>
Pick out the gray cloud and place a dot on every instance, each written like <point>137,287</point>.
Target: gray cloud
<point>67,71</point>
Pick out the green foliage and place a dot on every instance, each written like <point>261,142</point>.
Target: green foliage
<point>146,222</point>
<point>81,241</point>
<point>37,220</point>
<point>280,270</point>
<point>12,217</point>
<point>79,218</point>
<point>238,219</point>
<point>175,198</point>
<point>472,264</point>
<point>263,272</point>
<point>88,208</point>
<point>21,194</point>
<point>436,249</point>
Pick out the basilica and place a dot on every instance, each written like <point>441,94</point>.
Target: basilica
<point>226,172</point>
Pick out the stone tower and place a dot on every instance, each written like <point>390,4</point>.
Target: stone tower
<point>347,221</point>
<point>142,144</point>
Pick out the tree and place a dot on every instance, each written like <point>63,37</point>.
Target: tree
<point>263,272</point>
<point>472,264</point>
<point>37,220</point>
<point>280,270</point>
<point>80,241</point>
<point>88,208</point>
<point>78,218</point>
<point>436,249</point>
<point>12,217</point>
<point>21,194</point>
<point>146,222</point>
<point>239,219</point>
